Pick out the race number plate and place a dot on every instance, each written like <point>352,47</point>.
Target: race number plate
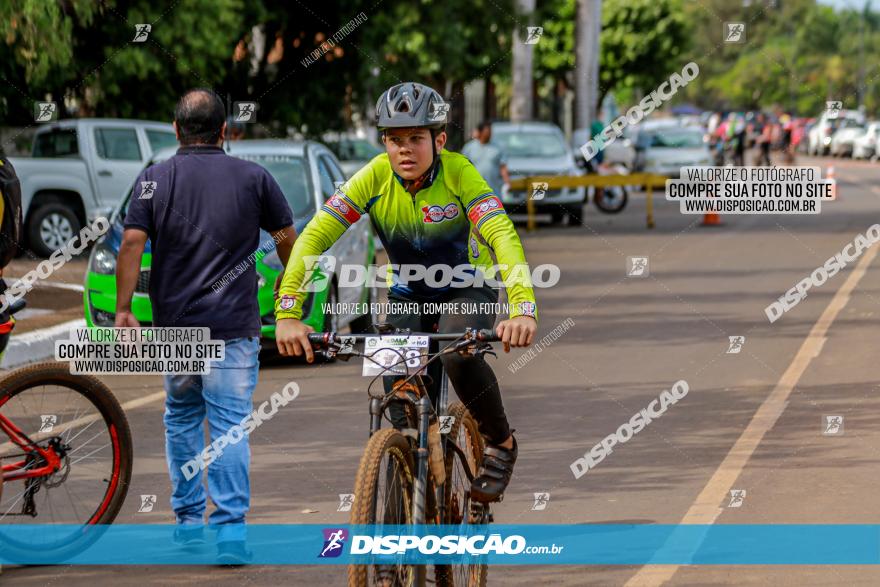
<point>394,355</point>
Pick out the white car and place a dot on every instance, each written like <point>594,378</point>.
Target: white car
<point>843,138</point>
<point>865,145</point>
<point>539,148</point>
<point>819,138</point>
<point>80,169</point>
<point>666,149</point>
<point>621,152</point>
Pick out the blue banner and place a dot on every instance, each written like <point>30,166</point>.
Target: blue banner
<point>523,544</point>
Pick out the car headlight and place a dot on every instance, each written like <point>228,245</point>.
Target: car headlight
<point>103,261</point>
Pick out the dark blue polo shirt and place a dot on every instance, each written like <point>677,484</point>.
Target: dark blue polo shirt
<point>203,211</point>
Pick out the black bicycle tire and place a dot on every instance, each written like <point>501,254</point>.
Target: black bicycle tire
<point>384,441</point>
<point>99,395</point>
<point>442,575</point>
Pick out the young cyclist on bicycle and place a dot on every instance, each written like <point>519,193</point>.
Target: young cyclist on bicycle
<point>429,207</point>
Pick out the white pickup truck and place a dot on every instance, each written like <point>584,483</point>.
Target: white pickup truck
<point>81,169</point>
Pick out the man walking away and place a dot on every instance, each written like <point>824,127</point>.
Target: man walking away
<point>488,158</point>
<point>203,215</point>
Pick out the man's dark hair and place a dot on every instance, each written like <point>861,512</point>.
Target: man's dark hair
<point>200,116</point>
<point>483,125</point>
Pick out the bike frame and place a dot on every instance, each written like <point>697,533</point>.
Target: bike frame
<point>424,409</point>
<point>17,471</point>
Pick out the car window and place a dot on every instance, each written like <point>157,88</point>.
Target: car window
<point>326,177</point>
<point>118,144</point>
<point>364,150</point>
<point>160,139</point>
<point>56,143</point>
<point>290,173</point>
<point>292,177</point>
<point>676,139</point>
<point>530,143</point>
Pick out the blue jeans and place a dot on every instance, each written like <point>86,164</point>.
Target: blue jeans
<point>224,396</point>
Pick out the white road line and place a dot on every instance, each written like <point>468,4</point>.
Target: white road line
<point>58,284</point>
<point>705,509</point>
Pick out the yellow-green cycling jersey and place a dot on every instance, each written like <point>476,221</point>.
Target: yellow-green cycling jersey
<point>454,221</point>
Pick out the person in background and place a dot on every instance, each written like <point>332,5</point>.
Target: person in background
<point>203,217</point>
<point>488,158</point>
<point>762,130</point>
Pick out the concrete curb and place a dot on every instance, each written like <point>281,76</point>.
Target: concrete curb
<point>38,345</point>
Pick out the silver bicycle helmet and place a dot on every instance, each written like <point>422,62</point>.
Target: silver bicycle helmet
<point>411,105</point>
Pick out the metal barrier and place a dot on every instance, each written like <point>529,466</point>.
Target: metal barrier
<point>649,180</point>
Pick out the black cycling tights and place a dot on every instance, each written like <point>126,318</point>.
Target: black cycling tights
<point>473,378</point>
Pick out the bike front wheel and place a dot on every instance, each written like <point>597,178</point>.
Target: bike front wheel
<point>82,422</point>
<point>383,493</point>
<point>460,509</point>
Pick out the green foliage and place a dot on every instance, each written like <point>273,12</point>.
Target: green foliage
<point>643,43</point>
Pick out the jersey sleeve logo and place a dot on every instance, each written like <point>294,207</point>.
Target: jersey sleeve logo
<point>287,302</point>
<point>484,208</point>
<point>437,213</point>
<point>342,209</point>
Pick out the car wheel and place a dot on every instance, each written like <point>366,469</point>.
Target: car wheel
<point>574,214</point>
<point>51,227</point>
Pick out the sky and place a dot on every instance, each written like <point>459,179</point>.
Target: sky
<point>848,3</point>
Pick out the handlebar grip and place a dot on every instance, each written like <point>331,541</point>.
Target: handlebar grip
<point>319,339</point>
<point>487,335</point>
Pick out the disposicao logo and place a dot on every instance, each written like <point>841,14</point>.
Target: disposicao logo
<point>334,542</point>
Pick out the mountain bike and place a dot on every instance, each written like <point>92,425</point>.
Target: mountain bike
<point>422,473</point>
<point>68,458</point>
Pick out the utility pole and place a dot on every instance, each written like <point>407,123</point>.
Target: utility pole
<point>521,107</point>
<point>587,29</point>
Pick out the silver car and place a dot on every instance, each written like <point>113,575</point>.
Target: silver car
<point>539,148</point>
<point>664,150</point>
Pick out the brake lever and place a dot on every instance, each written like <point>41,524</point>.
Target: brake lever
<point>485,349</point>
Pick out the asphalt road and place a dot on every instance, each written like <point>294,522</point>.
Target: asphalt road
<point>752,421</point>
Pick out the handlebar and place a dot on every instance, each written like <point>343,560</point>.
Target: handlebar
<point>323,339</point>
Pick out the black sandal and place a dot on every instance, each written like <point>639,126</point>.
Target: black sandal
<point>494,474</point>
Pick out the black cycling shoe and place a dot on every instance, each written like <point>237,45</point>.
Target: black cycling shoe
<point>494,473</point>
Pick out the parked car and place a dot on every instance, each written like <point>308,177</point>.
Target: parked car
<point>666,149</point>
<point>843,138</point>
<point>819,137</point>
<point>353,152</point>
<point>539,148</point>
<point>865,145</point>
<point>79,170</point>
<point>307,173</point>
<point>621,152</point>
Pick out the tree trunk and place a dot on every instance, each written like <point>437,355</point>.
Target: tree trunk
<point>587,29</point>
<point>521,104</point>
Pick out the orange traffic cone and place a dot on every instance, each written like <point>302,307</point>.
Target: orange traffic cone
<point>711,219</point>
<point>829,174</point>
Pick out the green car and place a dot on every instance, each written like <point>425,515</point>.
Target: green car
<point>308,174</point>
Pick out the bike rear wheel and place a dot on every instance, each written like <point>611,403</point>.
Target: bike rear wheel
<point>383,496</point>
<point>460,510</point>
<point>80,417</point>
